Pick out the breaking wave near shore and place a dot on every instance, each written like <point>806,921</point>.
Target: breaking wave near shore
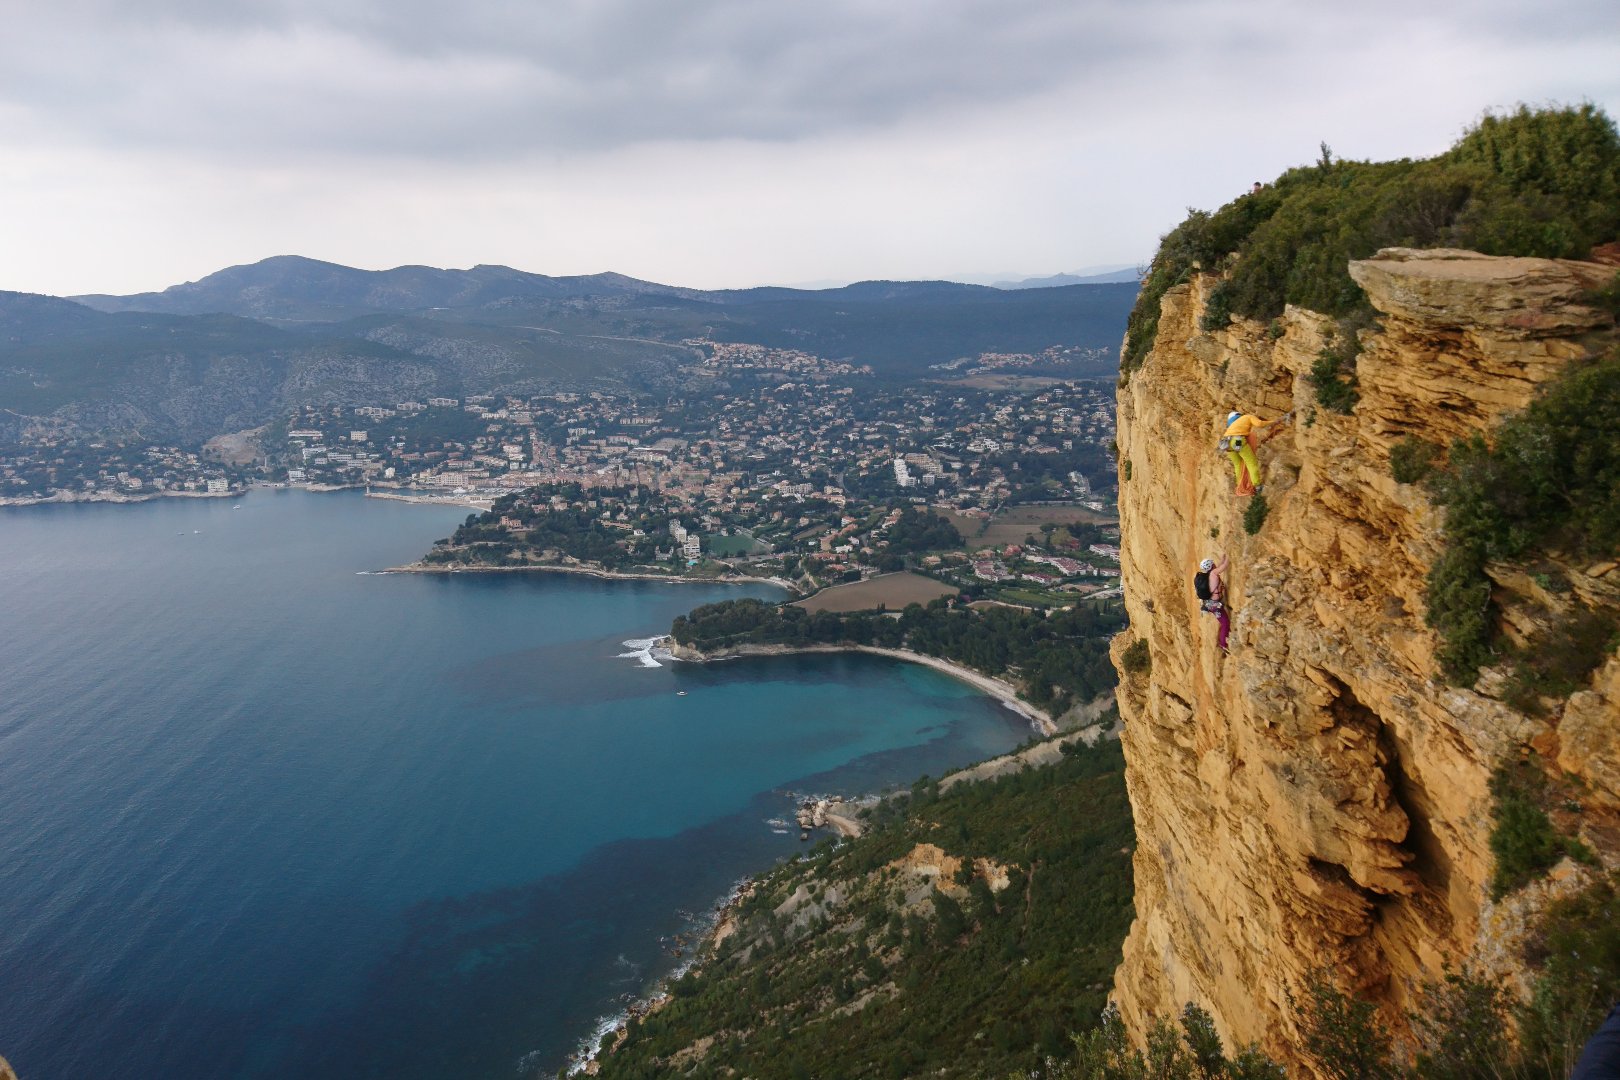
<point>700,925</point>
<point>647,651</point>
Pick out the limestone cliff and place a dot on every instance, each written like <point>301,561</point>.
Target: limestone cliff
<point>1319,796</point>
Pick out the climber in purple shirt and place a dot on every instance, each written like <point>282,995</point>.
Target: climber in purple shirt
<point>1210,586</point>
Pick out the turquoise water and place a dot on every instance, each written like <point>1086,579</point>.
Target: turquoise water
<point>266,814</point>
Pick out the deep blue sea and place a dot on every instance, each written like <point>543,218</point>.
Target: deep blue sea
<point>265,815</point>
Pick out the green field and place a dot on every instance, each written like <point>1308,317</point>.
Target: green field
<point>739,543</point>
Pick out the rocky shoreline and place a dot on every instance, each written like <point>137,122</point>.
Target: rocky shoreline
<point>835,812</point>
<point>592,571</point>
<point>585,1060</point>
<point>115,497</point>
<point>403,495</point>
<point>841,815</point>
<point>119,497</point>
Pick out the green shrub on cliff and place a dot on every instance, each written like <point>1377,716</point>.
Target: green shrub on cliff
<point>1577,948</point>
<point>1549,479</point>
<point>1542,182</point>
<point>1557,660</point>
<point>1136,659</point>
<point>1192,1049</point>
<point>1466,1026</point>
<point>1218,309</point>
<point>1254,514</point>
<point>1524,841</point>
<point>1412,460</point>
<point>1200,242</point>
<point>1553,186</point>
<point>1606,298</point>
<point>1342,1033</point>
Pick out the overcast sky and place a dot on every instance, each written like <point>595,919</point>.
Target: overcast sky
<point>716,142</point>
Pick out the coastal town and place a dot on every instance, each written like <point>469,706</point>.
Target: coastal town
<point>787,468</point>
<point>52,467</point>
<point>769,462</point>
<point>752,421</point>
<point>748,417</point>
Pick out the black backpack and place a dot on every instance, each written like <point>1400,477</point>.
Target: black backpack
<point>1201,585</point>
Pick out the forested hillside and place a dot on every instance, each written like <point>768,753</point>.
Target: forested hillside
<point>967,935</point>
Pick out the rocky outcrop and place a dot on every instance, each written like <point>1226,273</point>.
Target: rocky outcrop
<point>1318,798</point>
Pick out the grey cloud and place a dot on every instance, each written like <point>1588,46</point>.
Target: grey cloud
<point>492,79</point>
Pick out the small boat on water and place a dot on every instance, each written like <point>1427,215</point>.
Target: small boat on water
<point>680,693</point>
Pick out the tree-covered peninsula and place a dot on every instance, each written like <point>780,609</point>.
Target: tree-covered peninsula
<point>1057,659</point>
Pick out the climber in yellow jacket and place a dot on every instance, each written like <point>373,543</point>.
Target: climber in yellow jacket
<point>1244,432</point>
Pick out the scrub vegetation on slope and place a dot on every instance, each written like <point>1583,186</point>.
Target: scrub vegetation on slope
<point>966,935</point>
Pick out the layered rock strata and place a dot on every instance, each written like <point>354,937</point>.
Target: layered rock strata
<point>1318,798</point>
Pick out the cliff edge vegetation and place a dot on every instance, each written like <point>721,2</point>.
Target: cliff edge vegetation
<point>1543,183</point>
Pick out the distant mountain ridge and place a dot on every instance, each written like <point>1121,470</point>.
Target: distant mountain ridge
<point>1052,281</point>
<point>295,288</point>
<point>247,343</point>
<point>298,289</point>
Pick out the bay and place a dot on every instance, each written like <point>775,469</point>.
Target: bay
<point>269,813</point>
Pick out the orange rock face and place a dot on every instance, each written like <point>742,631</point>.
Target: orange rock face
<point>1318,798</point>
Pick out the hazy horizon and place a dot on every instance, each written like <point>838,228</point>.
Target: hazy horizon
<point>989,280</point>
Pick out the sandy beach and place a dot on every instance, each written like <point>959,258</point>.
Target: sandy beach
<point>1005,692</point>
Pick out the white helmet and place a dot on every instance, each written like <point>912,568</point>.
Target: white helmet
<point>1207,565</point>
<point>1232,417</point>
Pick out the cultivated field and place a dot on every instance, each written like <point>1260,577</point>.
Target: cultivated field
<point>1014,523</point>
<point>966,524</point>
<point>893,591</point>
